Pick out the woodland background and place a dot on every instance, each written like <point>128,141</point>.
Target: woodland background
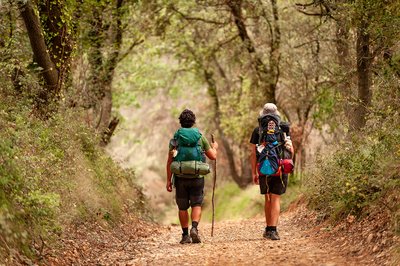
<point>83,80</point>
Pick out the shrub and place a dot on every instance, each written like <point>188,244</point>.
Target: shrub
<point>358,174</point>
<point>52,174</point>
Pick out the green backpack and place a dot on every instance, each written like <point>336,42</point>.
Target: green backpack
<point>188,145</point>
<point>190,159</point>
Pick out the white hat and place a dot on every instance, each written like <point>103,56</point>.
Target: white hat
<point>269,109</point>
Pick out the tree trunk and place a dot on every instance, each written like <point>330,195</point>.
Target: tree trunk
<point>110,131</point>
<point>363,76</point>
<point>41,55</point>
<point>110,65</point>
<point>343,56</point>
<point>57,37</point>
<point>212,91</point>
<point>246,174</point>
<point>275,49</point>
<point>103,67</point>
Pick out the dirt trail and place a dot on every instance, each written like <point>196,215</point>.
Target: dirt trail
<point>241,243</point>
<point>234,243</point>
<point>304,241</point>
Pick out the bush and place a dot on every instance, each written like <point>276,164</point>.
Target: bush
<point>52,174</point>
<point>359,174</point>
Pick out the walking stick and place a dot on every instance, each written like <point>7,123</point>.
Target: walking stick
<point>212,200</point>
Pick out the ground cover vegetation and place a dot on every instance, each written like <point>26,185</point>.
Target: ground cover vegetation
<point>68,67</point>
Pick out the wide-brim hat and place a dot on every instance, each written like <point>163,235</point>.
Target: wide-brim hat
<point>269,109</point>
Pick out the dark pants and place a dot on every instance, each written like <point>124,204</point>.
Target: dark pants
<point>189,192</point>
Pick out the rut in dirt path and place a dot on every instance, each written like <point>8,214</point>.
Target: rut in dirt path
<point>237,243</point>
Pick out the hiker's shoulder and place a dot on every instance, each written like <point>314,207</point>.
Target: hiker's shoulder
<point>256,130</point>
<point>203,138</point>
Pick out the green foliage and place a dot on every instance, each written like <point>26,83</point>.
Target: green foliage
<point>357,175</point>
<point>238,113</point>
<point>325,107</point>
<point>153,70</point>
<point>52,174</point>
<point>362,175</point>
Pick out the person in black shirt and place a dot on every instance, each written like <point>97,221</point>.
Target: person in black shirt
<point>270,186</point>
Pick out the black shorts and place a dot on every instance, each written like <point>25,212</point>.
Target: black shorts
<point>273,184</point>
<point>189,192</point>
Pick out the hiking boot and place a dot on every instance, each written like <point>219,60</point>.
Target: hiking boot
<point>194,234</point>
<point>265,234</point>
<point>273,235</point>
<point>186,239</point>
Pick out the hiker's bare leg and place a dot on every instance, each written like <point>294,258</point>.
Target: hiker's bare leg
<point>184,218</point>
<point>267,208</point>
<point>196,214</point>
<point>274,209</point>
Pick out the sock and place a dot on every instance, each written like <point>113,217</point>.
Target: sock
<point>195,224</point>
<point>185,231</point>
<point>270,228</point>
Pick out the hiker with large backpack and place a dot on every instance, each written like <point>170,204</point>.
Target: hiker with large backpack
<point>186,167</point>
<point>271,162</point>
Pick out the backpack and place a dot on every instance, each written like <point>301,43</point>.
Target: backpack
<point>190,160</point>
<point>273,159</point>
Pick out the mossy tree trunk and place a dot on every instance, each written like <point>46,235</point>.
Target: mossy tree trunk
<point>103,65</point>
<point>42,57</point>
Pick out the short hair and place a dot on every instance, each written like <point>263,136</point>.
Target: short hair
<point>187,118</point>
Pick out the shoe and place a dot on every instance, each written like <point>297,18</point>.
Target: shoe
<point>186,239</point>
<point>194,234</point>
<point>266,233</point>
<point>273,235</point>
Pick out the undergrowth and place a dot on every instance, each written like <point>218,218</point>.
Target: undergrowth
<point>361,176</point>
<point>53,174</point>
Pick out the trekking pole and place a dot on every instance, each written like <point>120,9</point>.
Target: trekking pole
<point>212,200</point>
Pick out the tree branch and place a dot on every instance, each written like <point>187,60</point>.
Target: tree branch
<point>133,45</point>
<point>198,18</point>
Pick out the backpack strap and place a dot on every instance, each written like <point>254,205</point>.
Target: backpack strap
<point>259,135</point>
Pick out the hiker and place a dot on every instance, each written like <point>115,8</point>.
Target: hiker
<point>186,168</point>
<point>271,185</point>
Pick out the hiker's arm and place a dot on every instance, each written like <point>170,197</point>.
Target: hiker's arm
<point>212,152</point>
<point>169,174</point>
<point>253,162</point>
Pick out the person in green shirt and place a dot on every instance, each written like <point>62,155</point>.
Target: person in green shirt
<point>189,144</point>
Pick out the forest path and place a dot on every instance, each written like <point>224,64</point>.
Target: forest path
<point>234,243</point>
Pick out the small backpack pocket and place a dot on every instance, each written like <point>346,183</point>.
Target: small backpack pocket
<point>266,168</point>
<point>287,166</point>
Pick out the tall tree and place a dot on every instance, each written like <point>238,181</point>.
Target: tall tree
<point>369,22</point>
<point>267,77</point>
<point>105,29</point>
<point>50,54</point>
